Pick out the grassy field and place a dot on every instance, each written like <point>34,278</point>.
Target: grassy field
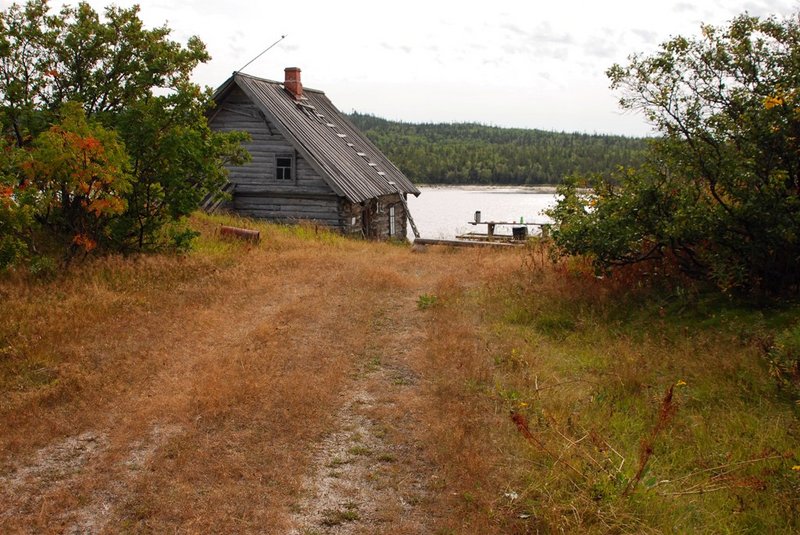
<point>314,384</point>
<point>637,410</point>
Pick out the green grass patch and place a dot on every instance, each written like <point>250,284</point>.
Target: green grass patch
<point>337,462</point>
<point>647,410</point>
<point>557,323</point>
<point>426,301</point>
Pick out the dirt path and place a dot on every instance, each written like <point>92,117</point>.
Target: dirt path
<point>368,474</point>
<point>283,396</point>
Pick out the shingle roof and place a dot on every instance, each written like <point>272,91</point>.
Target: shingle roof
<point>343,156</point>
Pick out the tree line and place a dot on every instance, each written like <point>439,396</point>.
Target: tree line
<point>471,153</point>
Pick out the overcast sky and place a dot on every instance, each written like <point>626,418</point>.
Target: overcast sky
<point>531,64</point>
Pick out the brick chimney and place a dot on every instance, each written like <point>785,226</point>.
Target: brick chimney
<point>292,82</point>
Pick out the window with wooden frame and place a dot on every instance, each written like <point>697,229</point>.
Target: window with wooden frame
<point>284,166</point>
<point>392,228</point>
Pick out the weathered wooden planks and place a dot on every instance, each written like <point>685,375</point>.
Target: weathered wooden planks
<point>338,178</point>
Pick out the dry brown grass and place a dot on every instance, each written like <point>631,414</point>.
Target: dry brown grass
<point>205,381</point>
<point>318,384</point>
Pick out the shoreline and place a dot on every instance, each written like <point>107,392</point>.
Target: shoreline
<point>544,189</point>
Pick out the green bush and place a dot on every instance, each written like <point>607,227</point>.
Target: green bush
<point>719,196</point>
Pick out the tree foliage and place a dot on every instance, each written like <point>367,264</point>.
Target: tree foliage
<point>468,153</point>
<point>176,161</point>
<point>140,129</point>
<point>16,207</point>
<point>78,171</point>
<point>720,191</point>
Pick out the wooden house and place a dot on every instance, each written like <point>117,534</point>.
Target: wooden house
<point>309,162</point>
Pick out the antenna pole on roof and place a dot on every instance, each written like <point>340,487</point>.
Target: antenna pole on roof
<point>262,53</point>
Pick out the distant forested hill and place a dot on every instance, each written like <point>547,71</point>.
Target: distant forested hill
<point>469,153</point>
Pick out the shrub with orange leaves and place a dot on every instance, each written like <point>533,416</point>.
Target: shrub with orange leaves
<point>79,168</point>
<point>85,242</point>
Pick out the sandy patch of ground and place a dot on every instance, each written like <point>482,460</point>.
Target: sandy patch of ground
<point>61,469</point>
<point>93,517</point>
<point>55,463</point>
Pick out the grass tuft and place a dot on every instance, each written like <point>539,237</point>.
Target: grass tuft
<point>336,517</point>
<point>426,301</point>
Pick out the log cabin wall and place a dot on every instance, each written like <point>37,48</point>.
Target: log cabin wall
<point>373,218</point>
<point>259,192</point>
<point>393,223</point>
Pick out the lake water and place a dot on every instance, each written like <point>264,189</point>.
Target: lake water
<point>443,212</point>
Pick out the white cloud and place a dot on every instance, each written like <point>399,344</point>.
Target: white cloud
<point>682,7</point>
<point>516,62</point>
<point>601,47</point>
